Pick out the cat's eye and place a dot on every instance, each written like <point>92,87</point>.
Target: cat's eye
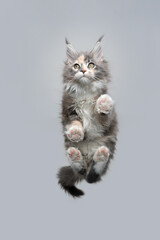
<point>91,65</point>
<point>76,66</point>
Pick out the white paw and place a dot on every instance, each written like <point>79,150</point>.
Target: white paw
<point>100,158</point>
<point>104,104</point>
<point>75,158</point>
<point>75,133</point>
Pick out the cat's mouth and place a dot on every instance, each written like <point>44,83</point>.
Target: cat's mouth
<point>83,75</point>
<point>84,79</point>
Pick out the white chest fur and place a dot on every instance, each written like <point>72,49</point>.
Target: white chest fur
<point>85,104</point>
<point>84,109</point>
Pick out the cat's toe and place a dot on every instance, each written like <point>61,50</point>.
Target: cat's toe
<point>104,104</point>
<point>75,134</point>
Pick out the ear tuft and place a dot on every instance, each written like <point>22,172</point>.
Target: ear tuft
<point>100,39</point>
<point>66,40</point>
<point>97,50</point>
<point>70,51</point>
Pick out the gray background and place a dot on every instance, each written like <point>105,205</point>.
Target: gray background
<point>125,205</point>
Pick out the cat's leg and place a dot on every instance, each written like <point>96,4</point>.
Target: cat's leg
<point>76,160</point>
<point>98,165</point>
<point>104,104</point>
<point>74,131</point>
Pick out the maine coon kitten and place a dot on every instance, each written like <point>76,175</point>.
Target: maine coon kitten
<point>88,118</point>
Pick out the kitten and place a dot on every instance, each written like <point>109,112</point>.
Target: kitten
<point>88,117</point>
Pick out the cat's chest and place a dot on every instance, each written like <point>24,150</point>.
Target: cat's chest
<point>85,109</point>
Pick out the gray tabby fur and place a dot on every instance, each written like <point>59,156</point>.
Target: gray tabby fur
<point>79,103</point>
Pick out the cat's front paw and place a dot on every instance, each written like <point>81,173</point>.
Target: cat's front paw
<point>104,104</point>
<point>75,133</point>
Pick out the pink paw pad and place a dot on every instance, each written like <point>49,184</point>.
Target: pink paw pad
<point>74,154</point>
<point>101,154</point>
<point>104,104</point>
<point>75,134</point>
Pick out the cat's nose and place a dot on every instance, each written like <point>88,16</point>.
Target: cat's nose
<point>83,70</point>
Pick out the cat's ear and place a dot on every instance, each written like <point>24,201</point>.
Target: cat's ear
<point>97,50</point>
<point>70,51</point>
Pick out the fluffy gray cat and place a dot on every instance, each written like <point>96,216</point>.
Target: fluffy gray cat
<point>88,117</point>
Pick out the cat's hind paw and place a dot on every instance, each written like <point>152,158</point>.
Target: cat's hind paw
<point>101,154</point>
<point>75,158</point>
<point>74,154</point>
<point>104,104</point>
<point>75,133</point>
<point>100,158</point>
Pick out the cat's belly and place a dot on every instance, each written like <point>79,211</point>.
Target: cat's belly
<point>91,125</point>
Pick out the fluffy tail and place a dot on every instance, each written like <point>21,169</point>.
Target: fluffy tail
<point>67,178</point>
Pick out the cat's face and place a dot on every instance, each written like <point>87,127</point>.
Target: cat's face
<point>84,68</point>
